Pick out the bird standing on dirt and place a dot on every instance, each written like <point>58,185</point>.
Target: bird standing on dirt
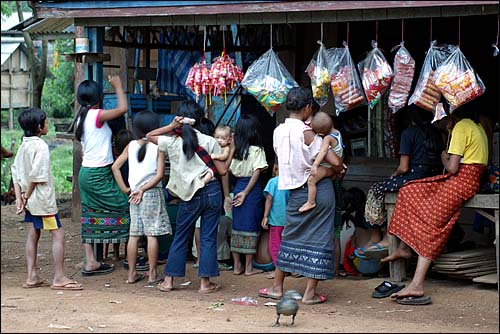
<point>287,306</point>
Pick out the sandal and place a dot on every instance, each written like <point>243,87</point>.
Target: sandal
<point>267,293</point>
<point>386,288</point>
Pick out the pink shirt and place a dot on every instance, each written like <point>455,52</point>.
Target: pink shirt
<point>294,157</point>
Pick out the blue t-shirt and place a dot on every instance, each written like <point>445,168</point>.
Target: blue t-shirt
<point>277,214</point>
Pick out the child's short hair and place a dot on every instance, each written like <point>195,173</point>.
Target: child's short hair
<point>225,128</point>
<point>322,123</point>
<point>32,121</point>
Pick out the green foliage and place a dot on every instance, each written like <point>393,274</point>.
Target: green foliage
<point>9,7</point>
<point>61,158</point>
<point>58,91</point>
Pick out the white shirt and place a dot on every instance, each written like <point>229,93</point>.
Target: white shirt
<point>96,141</point>
<point>140,173</point>
<point>186,175</point>
<point>294,157</point>
<point>32,164</point>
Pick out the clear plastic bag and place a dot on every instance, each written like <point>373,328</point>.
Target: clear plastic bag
<point>317,70</point>
<point>344,80</point>
<point>376,75</point>
<point>404,69</point>
<point>457,80</point>
<point>426,94</point>
<point>269,81</point>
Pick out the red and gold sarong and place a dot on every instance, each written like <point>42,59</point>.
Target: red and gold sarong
<point>427,209</point>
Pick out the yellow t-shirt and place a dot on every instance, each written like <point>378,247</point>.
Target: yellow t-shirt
<point>245,168</point>
<point>469,140</point>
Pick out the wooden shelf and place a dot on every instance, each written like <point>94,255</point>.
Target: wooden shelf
<point>88,57</point>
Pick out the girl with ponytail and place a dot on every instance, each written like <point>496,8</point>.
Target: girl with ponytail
<point>102,201</point>
<point>189,153</point>
<point>148,211</point>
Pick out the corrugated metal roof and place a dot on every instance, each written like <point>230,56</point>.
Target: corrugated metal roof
<point>138,4</point>
<point>51,26</point>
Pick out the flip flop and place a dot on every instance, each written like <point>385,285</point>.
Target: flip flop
<point>265,293</point>
<point>103,269</point>
<point>163,289</point>
<point>68,286</point>
<point>319,300</point>
<point>358,254</point>
<point>138,278</point>
<point>213,287</point>
<point>38,284</point>
<point>386,288</point>
<point>159,280</point>
<point>141,264</point>
<point>376,252</point>
<point>423,300</point>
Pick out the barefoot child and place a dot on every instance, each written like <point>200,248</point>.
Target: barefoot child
<point>35,195</point>
<point>148,211</point>
<point>322,125</point>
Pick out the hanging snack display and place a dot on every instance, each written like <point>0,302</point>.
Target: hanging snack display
<point>224,75</point>
<point>317,70</point>
<point>198,80</point>
<point>344,80</point>
<point>457,80</point>
<point>376,75</point>
<point>269,81</point>
<point>426,94</point>
<point>404,69</point>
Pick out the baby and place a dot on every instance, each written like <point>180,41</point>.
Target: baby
<point>223,136</point>
<point>322,124</point>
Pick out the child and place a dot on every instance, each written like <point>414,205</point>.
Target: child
<point>247,165</point>
<point>274,214</point>
<point>121,140</point>
<point>223,136</point>
<point>322,124</point>
<point>35,194</point>
<point>148,211</point>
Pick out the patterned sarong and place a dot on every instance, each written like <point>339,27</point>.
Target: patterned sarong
<point>307,240</point>
<point>105,208</point>
<point>427,209</point>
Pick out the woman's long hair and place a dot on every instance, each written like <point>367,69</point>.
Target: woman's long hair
<point>246,134</point>
<point>190,141</point>
<point>144,122</point>
<point>433,142</point>
<point>88,95</point>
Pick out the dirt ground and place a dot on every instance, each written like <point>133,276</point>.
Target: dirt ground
<point>109,305</point>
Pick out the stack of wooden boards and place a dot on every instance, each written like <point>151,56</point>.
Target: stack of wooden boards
<point>467,264</point>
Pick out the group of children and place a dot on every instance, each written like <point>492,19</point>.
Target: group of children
<point>35,193</point>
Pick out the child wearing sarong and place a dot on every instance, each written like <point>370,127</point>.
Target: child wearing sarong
<point>247,163</point>
<point>35,195</point>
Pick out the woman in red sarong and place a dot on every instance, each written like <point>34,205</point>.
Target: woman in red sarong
<point>427,209</point>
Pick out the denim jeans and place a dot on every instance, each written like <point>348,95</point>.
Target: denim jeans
<point>207,203</point>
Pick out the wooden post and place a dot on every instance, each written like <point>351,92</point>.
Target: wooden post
<point>397,268</point>
<point>76,213</point>
<point>11,83</point>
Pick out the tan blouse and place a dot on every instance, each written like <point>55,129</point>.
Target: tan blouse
<point>245,168</point>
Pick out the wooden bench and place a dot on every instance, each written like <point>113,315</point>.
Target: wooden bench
<point>479,202</point>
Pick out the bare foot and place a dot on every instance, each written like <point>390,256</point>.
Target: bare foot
<point>397,254</point>
<point>307,206</point>
<point>253,272</point>
<point>270,275</point>
<point>238,270</point>
<point>408,292</point>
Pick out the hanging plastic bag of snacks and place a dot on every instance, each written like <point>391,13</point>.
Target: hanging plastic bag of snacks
<point>457,80</point>
<point>426,94</point>
<point>376,75</point>
<point>317,70</point>
<point>404,69</point>
<point>269,81</point>
<point>224,75</point>
<point>344,80</point>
